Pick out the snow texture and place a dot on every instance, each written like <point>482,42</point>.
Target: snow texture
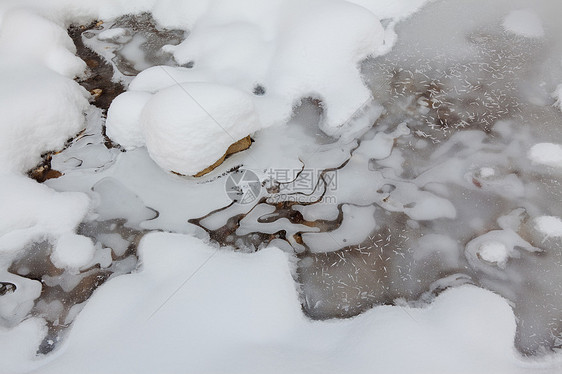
<point>188,127</point>
<point>40,111</point>
<point>524,22</point>
<point>72,251</point>
<point>548,154</point>
<point>256,302</point>
<point>31,211</point>
<point>549,225</point>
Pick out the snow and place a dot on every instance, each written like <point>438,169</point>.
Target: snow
<point>18,345</point>
<point>175,310</point>
<point>487,172</point>
<point>32,211</point>
<point>72,251</point>
<point>27,36</point>
<point>288,47</point>
<point>381,145</point>
<point>114,201</point>
<point>16,305</point>
<point>549,225</point>
<point>189,126</point>
<point>548,154</point>
<point>558,96</point>
<point>385,9</point>
<point>117,34</point>
<point>124,118</point>
<point>40,111</point>
<point>494,252</point>
<point>358,223</point>
<point>524,22</point>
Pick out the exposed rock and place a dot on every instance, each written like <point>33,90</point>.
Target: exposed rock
<point>239,146</point>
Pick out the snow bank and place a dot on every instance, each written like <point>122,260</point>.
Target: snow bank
<point>41,105</point>
<point>27,36</point>
<point>19,345</point>
<point>524,22</point>
<point>40,111</point>
<point>34,211</point>
<point>239,313</point>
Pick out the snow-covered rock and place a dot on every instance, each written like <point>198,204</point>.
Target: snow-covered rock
<point>188,127</point>
<point>40,111</point>
<point>72,251</point>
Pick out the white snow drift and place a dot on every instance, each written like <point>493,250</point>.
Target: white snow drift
<point>251,322</point>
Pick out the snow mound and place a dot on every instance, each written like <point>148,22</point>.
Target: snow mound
<point>32,211</point>
<point>524,22</point>
<point>72,251</point>
<point>188,127</point>
<point>548,154</point>
<point>494,252</point>
<point>40,111</point>
<point>124,117</point>
<point>27,36</point>
<point>549,225</point>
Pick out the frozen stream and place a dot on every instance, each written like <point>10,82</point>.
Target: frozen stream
<point>440,191</point>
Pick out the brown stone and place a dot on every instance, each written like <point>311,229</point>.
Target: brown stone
<point>96,93</point>
<point>44,172</point>
<point>239,146</point>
